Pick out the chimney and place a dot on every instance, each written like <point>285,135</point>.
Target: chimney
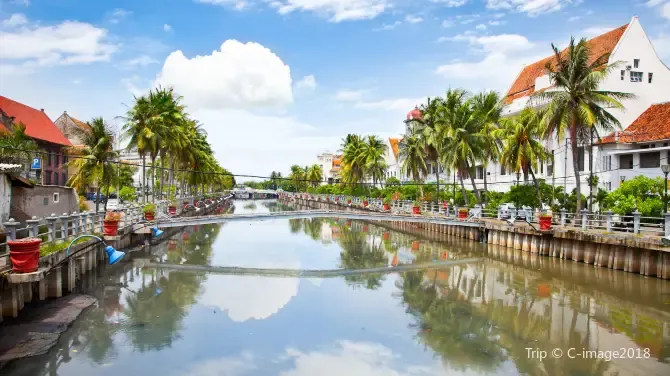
<point>41,109</point>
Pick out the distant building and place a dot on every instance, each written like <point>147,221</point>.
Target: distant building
<point>46,134</point>
<point>67,125</point>
<point>330,166</point>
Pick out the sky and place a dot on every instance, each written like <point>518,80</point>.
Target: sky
<point>276,82</point>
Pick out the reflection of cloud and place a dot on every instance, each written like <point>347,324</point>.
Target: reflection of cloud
<point>245,298</point>
<point>228,366</point>
<point>354,359</point>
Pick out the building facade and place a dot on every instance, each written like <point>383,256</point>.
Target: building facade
<point>52,143</point>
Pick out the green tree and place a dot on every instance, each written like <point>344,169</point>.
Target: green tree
<point>314,175</point>
<point>578,105</point>
<point>16,146</point>
<point>412,153</point>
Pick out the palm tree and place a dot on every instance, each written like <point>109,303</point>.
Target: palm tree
<point>432,132</point>
<point>578,106</point>
<point>97,154</point>
<point>297,177</point>
<point>16,146</point>
<point>136,129</point>
<point>373,151</point>
<point>412,152</point>
<point>314,175</point>
<point>353,159</point>
<point>522,150</point>
<point>489,106</point>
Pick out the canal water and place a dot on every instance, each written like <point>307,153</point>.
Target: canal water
<point>510,313</point>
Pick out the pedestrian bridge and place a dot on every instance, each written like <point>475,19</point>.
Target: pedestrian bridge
<point>222,218</point>
<point>300,273</point>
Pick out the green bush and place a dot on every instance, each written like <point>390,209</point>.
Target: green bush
<point>128,194</point>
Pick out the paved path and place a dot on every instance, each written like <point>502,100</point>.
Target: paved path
<point>38,330</point>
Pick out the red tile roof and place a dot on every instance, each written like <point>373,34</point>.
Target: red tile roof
<point>38,125</point>
<point>525,82</point>
<point>651,125</point>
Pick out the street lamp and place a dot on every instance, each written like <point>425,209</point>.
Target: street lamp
<point>666,169</point>
<point>516,204</point>
<point>112,253</point>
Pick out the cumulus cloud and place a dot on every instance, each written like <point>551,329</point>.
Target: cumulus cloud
<point>335,10</point>
<point>307,84</point>
<point>140,61</point>
<point>395,104</point>
<point>355,359</point>
<point>452,3</point>
<point>413,19</point>
<point>238,75</point>
<point>167,27</point>
<point>388,26</point>
<point>16,19</point>
<point>70,42</point>
<point>531,7</point>
<point>225,366</point>
<point>596,30</point>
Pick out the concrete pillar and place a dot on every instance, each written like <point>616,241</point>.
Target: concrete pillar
<point>34,226</point>
<point>525,242</point>
<point>589,252</point>
<point>55,283</point>
<point>510,239</point>
<point>42,289</point>
<point>632,260</point>
<point>585,219</point>
<point>566,249</point>
<point>608,220</point>
<point>545,243</point>
<point>649,262</point>
<point>577,250</point>
<point>534,243</point>
<point>563,216</point>
<point>618,259</point>
<point>27,292</point>
<point>75,224</point>
<point>663,270</point>
<point>517,240</point>
<point>69,275</point>
<point>65,225</point>
<point>51,224</point>
<point>10,229</point>
<point>10,301</point>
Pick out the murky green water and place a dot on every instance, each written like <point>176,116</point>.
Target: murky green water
<point>477,318</point>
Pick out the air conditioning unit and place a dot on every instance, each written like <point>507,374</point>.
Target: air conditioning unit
<point>629,67</point>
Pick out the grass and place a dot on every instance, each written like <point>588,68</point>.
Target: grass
<point>57,246</point>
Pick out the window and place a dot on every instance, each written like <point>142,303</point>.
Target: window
<point>47,178</point>
<point>626,161</point>
<point>48,159</point>
<point>55,178</point>
<point>56,197</point>
<point>550,170</point>
<point>650,160</point>
<point>609,185</point>
<point>635,76</point>
<point>541,168</point>
<point>636,63</point>
<point>623,74</point>
<point>608,163</point>
<point>45,201</point>
<point>651,75</point>
<point>64,178</point>
<point>580,158</point>
<point>502,170</point>
<point>64,159</point>
<point>479,172</point>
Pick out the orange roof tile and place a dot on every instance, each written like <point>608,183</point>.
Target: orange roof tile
<point>525,82</point>
<point>653,124</point>
<point>394,146</point>
<point>80,123</point>
<point>38,125</point>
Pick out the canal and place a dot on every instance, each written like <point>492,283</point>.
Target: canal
<point>482,317</point>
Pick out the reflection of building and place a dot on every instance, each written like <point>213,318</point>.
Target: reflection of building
<point>45,133</point>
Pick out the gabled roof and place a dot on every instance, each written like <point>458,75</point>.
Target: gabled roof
<point>525,83</point>
<point>652,125</point>
<point>38,125</point>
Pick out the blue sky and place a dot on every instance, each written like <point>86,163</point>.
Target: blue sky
<point>289,78</point>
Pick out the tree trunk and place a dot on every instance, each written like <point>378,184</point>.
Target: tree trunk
<point>537,187</point>
<point>437,181</point>
<point>463,191</point>
<point>471,171</point>
<point>575,167</point>
<point>486,187</point>
<point>144,179</point>
<point>97,193</point>
<point>153,179</point>
<point>162,177</point>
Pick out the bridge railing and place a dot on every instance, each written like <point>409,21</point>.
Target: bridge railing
<point>607,222</point>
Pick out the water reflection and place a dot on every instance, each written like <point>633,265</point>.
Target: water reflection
<point>467,319</point>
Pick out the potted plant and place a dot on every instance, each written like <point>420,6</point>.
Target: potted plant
<point>387,203</point>
<point>149,211</point>
<point>386,235</point>
<point>462,213</point>
<point>545,221</point>
<point>415,245</point>
<point>24,254</point>
<point>416,208</point>
<point>111,223</point>
<point>172,208</point>
<point>348,200</point>
<point>365,202</point>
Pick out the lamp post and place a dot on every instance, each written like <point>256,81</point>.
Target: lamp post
<point>516,204</point>
<point>666,169</point>
<point>112,253</point>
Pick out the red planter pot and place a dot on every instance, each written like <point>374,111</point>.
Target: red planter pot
<point>545,223</point>
<point>24,254</point>
<point>444,205</point>
<point>365,228</point>
<point>386,236</point>
<point>172,210</point>
<point>185,236</point>
<point>462,214</point>
<point>365,204</point>
<point>415,246</point>
<point>348,202</point>
<point>387,207</point>
<point>149,216</point>
<point>416,210</point>
<point>111,227</point>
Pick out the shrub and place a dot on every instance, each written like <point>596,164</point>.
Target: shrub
<point>112,216</point>
<point>149,208</point>
<point>82,204</point>
<point>128,194</point>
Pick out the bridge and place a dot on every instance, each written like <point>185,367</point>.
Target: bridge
<point>222,218</point>
<point>300,273</point>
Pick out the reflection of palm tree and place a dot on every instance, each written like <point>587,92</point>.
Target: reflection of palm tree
<point>98,334</point>
<point>295,225</point>
<point>359,254</point>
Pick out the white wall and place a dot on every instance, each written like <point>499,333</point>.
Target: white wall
<point>5,197</point>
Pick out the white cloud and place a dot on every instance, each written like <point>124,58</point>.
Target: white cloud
<point>306,84</point>
<point>653,3</point>
<point>662,46</point>
<point>480,27</point>
<point>117,15</point>
<point>496,23</point>
<point>447,24</point>
<point>388,26</point>
<point>494,43</point>
<point>349,95</point>
<point>140,61</point>
<point>413,19</point>
<point>452,3</point>
<point>76,81</point>
<point>225,366</point>
<point>130,83</point>
<point>531,7</point>
<point>596,30</point>
<point>355,359</point>
<point>167,27</point>
<point>574,18</point>
<point>238,75</point>
<point>396,104</point>
<point>335,10</point>
<point>25,3</point>
<point>16,19</point>
<point>69,42</point>
<point>665,12</point>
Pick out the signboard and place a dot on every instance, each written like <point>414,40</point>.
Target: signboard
<point>36,164</point>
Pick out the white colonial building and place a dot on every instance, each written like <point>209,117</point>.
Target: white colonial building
<point>640,72</point>
<point>330,166</point>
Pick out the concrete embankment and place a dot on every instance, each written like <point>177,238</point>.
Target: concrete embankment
<point>626,252</point>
